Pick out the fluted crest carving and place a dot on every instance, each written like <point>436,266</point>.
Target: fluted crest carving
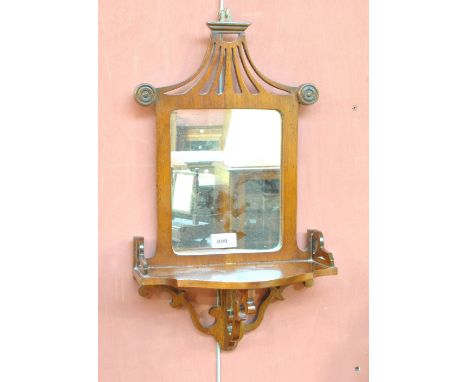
<point>226,68</point>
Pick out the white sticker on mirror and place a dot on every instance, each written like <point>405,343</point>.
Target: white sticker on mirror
<point>223,240</point>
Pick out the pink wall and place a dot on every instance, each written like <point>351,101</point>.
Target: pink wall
<point>318,334</point>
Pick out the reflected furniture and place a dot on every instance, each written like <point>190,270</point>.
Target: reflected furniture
<point>188,225</point>
<point>255,205</point>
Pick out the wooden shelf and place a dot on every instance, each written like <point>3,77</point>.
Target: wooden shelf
<point>234,276</point>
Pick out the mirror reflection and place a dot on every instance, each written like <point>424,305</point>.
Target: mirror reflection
<point>226,181</point>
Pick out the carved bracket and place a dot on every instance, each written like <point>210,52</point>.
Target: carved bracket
<point>317,250</point>
<point>231,313</point>
<point>139,259</point>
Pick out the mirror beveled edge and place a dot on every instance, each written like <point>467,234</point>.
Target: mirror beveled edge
<point>226,167</point>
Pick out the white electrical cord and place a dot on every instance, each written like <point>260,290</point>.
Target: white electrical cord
<point>218,363</point>
<point>218,350</point>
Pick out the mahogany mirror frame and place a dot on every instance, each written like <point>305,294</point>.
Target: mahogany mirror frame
<point>239,86</point>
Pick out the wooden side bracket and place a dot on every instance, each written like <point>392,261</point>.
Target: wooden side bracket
<point>317,248</point>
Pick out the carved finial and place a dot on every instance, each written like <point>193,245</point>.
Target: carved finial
<point>307,94</point>
<point>224,15</point>
<point>145,94</point>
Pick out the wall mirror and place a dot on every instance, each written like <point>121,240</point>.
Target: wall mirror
<point>226,181</point>
<point>226,144</point>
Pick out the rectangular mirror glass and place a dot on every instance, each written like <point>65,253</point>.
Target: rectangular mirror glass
<point>226,181</point>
